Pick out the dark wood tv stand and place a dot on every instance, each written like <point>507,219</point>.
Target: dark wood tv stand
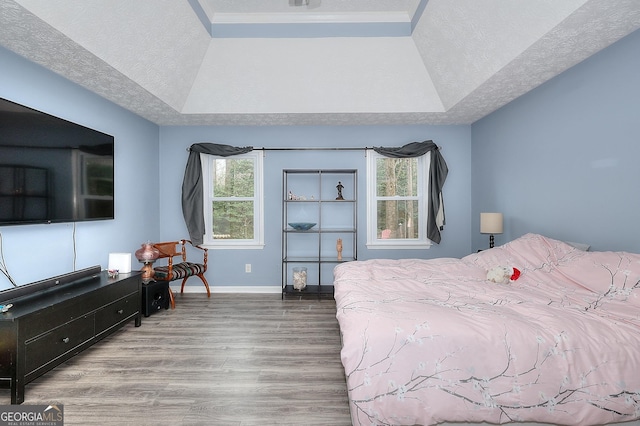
<point>54,319</point>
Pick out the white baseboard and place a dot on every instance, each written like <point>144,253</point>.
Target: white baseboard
<point>228,289</point>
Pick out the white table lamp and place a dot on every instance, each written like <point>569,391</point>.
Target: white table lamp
<point>491,223</point>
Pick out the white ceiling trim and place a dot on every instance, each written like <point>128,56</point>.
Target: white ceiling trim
<point>305,22</point>
<point>154,57</point>
<point>310,29</point>
<point>311,18</point>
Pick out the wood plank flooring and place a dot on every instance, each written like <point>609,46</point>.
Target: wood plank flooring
<point>233,359</point>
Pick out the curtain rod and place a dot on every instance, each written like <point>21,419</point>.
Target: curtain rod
<point>319,149</point>
<point>307,149</point>
<point>313,149</point>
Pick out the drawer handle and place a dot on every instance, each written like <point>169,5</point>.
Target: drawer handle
<point>65,340</point>
<point>121,311</point>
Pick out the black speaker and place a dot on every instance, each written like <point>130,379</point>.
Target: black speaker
<point>155,296</point>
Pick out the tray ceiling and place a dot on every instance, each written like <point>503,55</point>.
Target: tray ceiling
<point>267,62</point>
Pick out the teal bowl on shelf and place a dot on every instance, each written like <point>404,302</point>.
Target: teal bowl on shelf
<point>302,226</point>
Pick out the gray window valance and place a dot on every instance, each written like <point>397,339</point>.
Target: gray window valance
<point>192,200</point>
<point>192,208</point>
<point>438,171</point>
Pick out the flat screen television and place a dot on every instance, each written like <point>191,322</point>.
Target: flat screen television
<point>52,170</point>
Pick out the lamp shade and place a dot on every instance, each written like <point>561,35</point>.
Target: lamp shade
<point>147,253</point>
<point>491,223</point>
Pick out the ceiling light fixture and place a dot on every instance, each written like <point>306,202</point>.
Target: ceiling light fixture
<point>310,4</point>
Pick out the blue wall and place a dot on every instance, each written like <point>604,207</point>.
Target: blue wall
<point>563,159</point>
<point>227,266</point>
<point>35,252</point>
<point>560,161</point>
<point>149,169</point>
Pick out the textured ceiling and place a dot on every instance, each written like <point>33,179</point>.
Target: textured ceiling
<point>265,62</point>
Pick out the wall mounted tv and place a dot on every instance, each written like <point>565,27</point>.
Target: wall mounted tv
<point>52,170</point>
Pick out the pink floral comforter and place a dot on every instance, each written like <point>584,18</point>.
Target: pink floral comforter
<point>429,341</point>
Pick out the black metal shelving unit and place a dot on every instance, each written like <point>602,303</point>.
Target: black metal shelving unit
<point>312,196</point>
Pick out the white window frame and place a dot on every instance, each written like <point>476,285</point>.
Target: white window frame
<point>80,175</point>
<point>258,211</point>
<point>373,241</point>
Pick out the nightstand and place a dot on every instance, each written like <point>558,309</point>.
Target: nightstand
<point>155,296</point>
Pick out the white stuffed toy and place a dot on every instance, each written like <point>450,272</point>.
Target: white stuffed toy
<point>503,274</point>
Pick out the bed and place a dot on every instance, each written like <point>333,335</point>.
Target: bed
<point>432,341</point>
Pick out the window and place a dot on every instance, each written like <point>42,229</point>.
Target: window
<point>93,181</point>
<point>232,191</point>
<point>397,201</point>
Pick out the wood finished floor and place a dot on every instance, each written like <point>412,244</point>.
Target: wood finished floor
<point>233,359</point>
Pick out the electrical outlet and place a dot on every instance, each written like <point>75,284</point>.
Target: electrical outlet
<point>247,267</point>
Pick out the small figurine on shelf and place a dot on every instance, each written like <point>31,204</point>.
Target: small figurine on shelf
<point>340,187</point>
<point>339,248</point>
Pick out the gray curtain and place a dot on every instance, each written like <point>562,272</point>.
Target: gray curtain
<point>437,175</point>
<point>192,208</point>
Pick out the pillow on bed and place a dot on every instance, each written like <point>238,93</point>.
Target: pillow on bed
<point>579,246</point>
<point>593,277</point>
<point>530,250</point>
<point>615,275</point>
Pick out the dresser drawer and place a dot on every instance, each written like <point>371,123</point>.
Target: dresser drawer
<point>57,342</point>
<point>116,312</point>
<point>61,313</point>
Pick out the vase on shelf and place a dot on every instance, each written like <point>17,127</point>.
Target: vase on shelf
<point>299,278</point>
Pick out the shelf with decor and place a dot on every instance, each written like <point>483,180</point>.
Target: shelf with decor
<point>319,227</point>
